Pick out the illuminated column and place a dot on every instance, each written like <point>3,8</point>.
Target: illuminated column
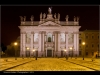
<point>43,40</point>
<point>24,41</point>
<point>55,40</point>
<point>46,52</point>
<point>66,33</point>
<point>58,43</point>
<point>32,42</point>
<point>39,41</point>
<point>77,37</point>
<point>75,43</point>
<point>21,44</point>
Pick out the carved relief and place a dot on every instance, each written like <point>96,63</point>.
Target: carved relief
<point>70,38</point>
<point>28,38</point>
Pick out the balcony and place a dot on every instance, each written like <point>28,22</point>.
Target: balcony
<point>49,44</point>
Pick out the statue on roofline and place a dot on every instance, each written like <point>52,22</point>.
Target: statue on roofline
<point>49,10</point>
<point>67,18</point>
<point>55,15</point>
<point>41,16</point>
<point>77,19</point>
<point>21,18</point>
<point>24,18</point>
<point>44,15</point>
<point>32,18</point>
<point>58,16</point>
<point>74,18</point>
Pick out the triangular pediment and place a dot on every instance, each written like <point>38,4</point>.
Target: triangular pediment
<point>49,23</point>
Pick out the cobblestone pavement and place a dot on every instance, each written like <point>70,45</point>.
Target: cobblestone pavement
<point>48,64</point>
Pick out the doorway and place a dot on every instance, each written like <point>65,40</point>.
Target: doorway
<point>49,53</point>
<point>49,39</point>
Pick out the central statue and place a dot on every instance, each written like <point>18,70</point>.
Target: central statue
<point>49,10</point>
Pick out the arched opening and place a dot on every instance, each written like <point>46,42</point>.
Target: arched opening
<point>49,39</point>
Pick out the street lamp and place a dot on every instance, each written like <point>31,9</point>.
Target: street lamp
<point>15,50</point>
<point>27,50</point>
<point>33,52</point>
<point>71,51</point>
<point>83,43</point>
<point>66,54</point>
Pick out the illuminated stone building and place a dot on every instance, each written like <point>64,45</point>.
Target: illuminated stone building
<point>49,37</point>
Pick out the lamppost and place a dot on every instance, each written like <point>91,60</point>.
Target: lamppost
<point>27,50</point>
<point>83,43</point>
<point>15,50</point>
<point>33,52</point>
<point>71,49</point>
<point>36,55</point>
<point>66,54</point>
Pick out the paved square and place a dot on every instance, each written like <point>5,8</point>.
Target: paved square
<point>49,64</point>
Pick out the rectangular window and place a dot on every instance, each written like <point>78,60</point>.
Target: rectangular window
<point>92,45</point>
<point>92,53</point>
<point>92,37</point>
<point>86,53</point>
<point>86,36</point>
<point>79,41</point>
<point>98,37</point>
<point>86,45</point>
<point>79,52</point>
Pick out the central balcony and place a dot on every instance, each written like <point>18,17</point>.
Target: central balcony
<point>49,44</point>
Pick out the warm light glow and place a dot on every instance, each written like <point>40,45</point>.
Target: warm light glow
<point>27,48</point>
<point>15,43</point>
<point>70,48</point>
<point>64,49</point>
<point>83,43</point>
<point>33,50</point>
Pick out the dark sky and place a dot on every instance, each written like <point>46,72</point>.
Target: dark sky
<point>89,18</point>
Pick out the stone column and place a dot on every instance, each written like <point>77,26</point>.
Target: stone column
<point>43,42</point>
<point>58,41</point>
<point>39,43</point>
<point>55,43</point>
<point>21,44</point>
<point>24,46</point>
<point>75,43</point>
<point>46,52</point>
<point>66,34</point>
<point>77,50</point>
<point>32,43</point>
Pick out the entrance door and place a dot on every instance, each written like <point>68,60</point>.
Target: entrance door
<point>49,53</point>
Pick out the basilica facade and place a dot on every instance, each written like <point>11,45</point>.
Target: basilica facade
<point>49,37</point>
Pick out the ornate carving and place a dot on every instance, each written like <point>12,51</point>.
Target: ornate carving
<point>66,32</point>
<point>70,38</point>
<point>32,18</point>
<point>32,32</point>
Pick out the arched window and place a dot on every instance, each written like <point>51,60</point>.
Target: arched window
<point>49,39</point>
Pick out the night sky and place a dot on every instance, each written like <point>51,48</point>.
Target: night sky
<point>89,18</point>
